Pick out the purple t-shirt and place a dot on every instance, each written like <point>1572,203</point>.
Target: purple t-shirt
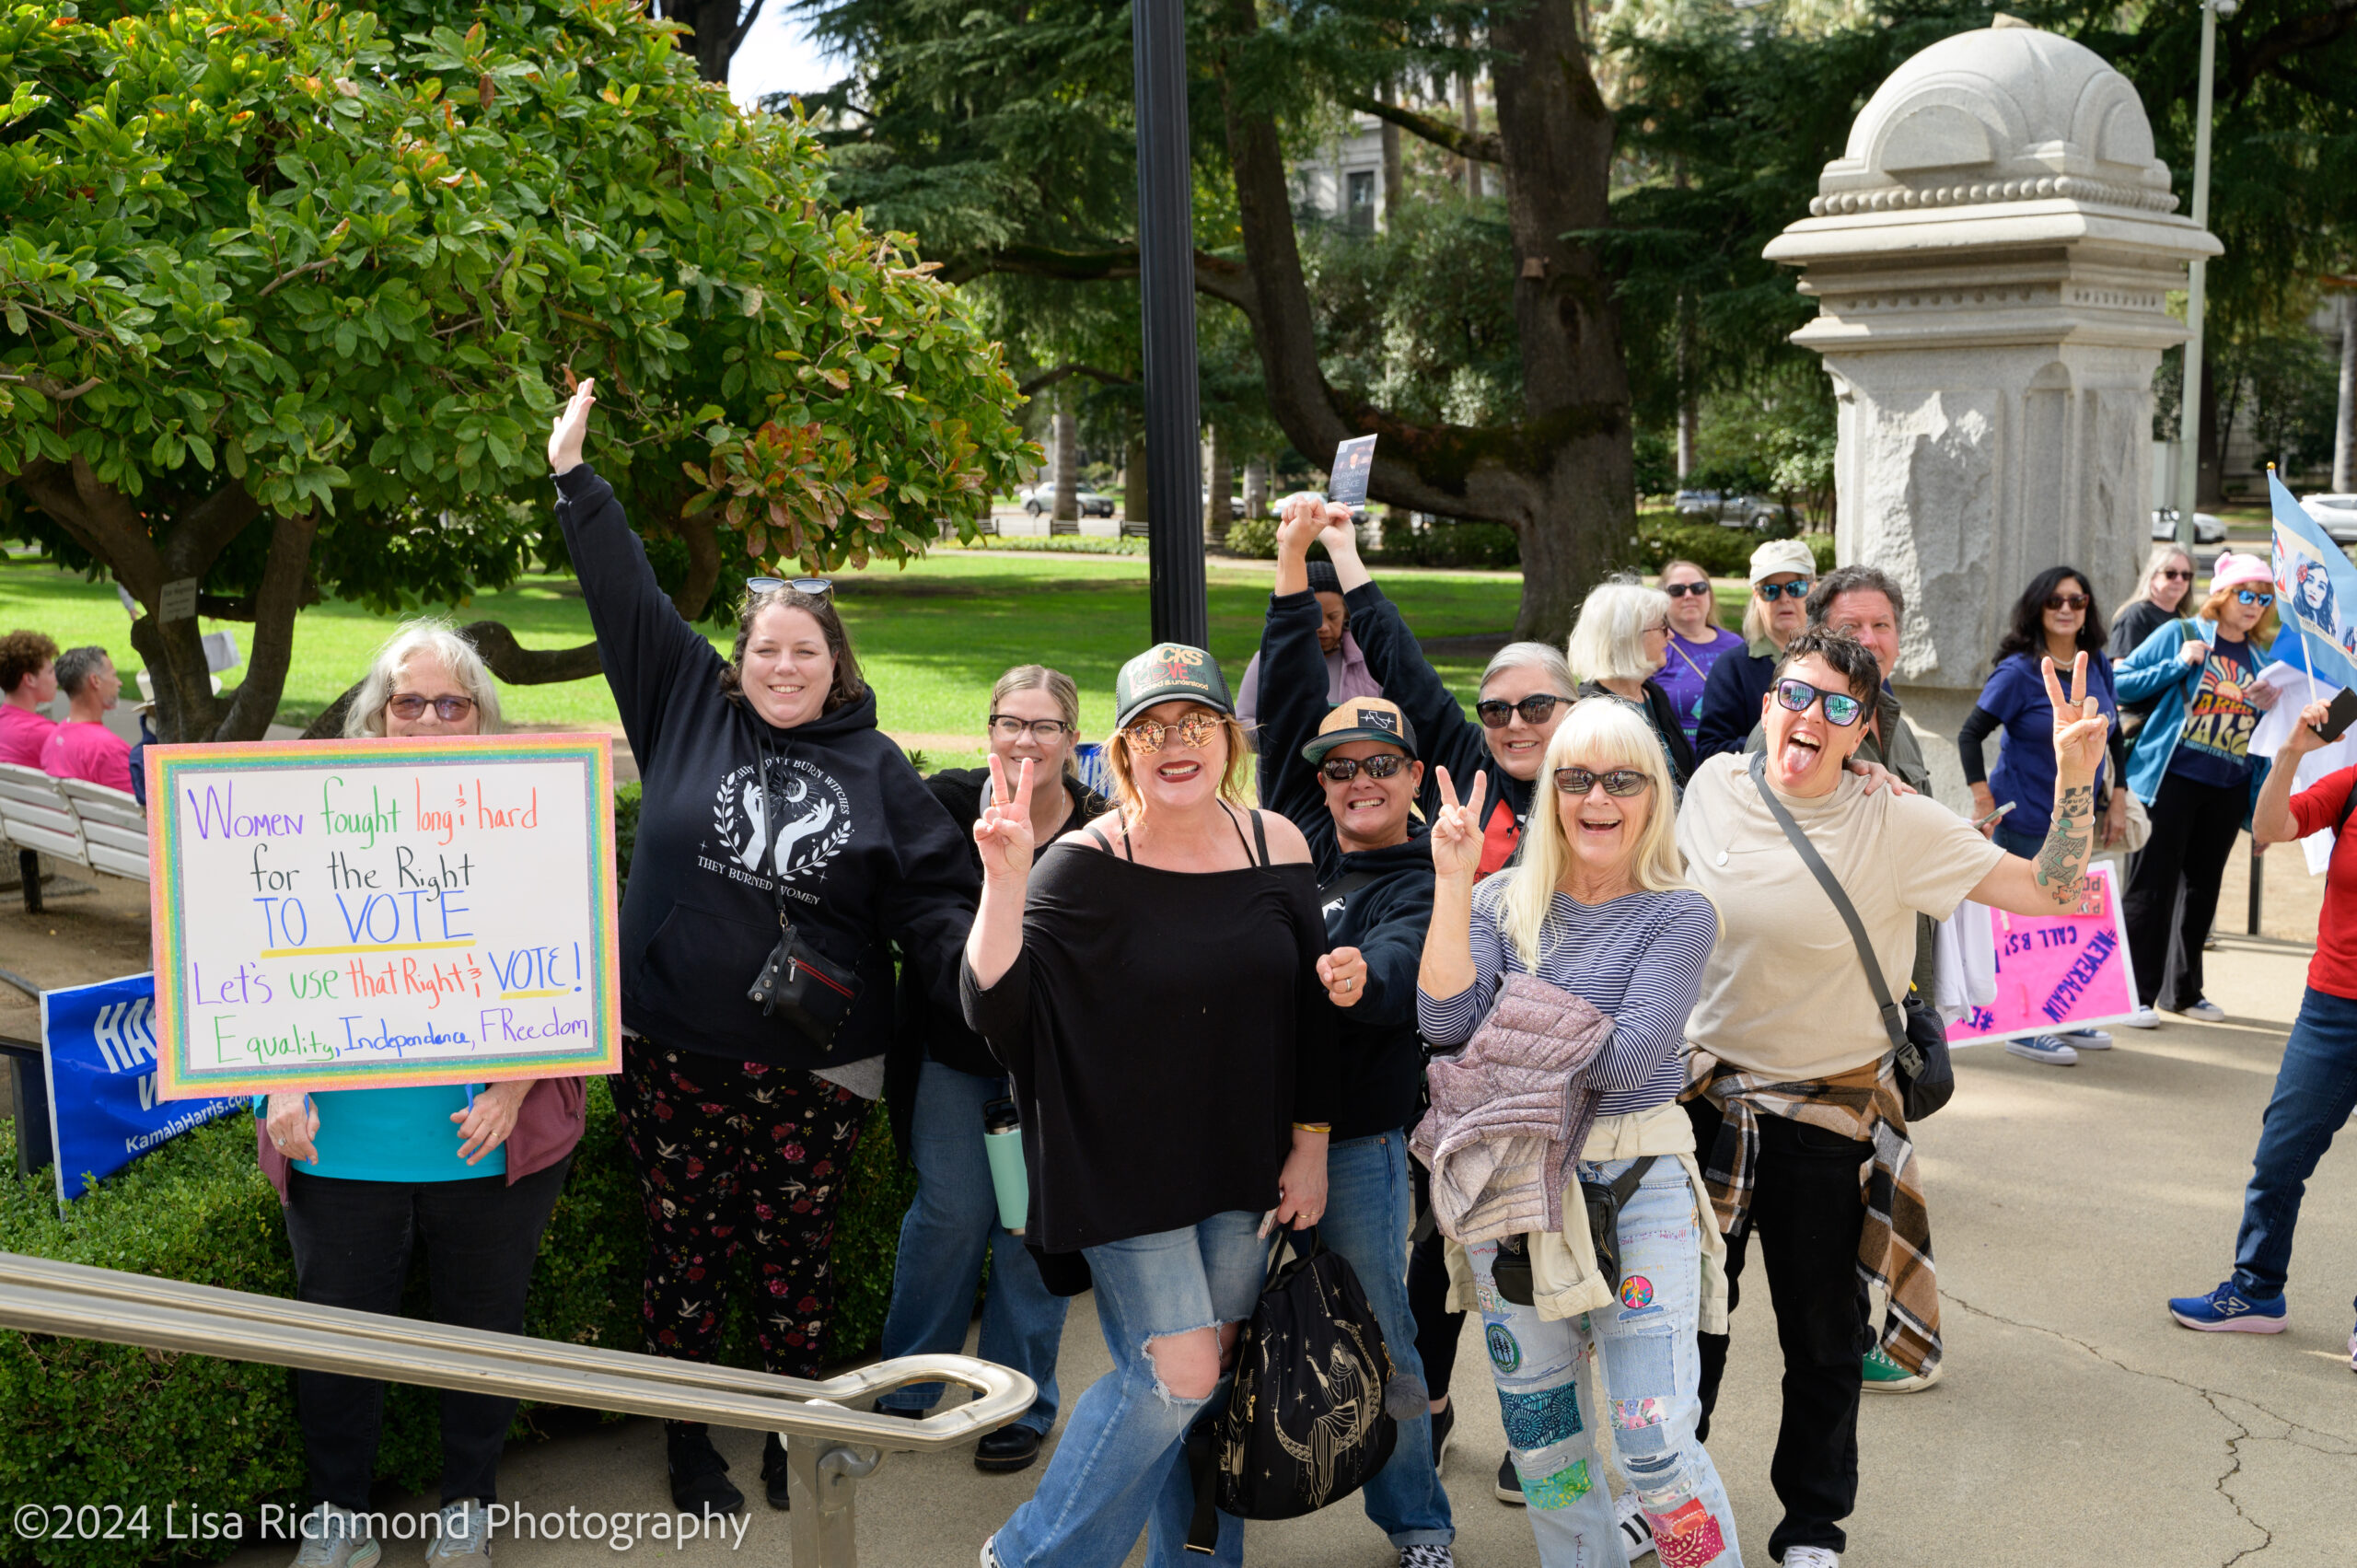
<point>1689,667</point>
<point>22,735</point>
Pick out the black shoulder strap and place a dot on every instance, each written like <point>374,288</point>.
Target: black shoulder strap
<point>1624,1187</point>
<point>1894,1021</point>
<point>1259,839</point>
<point>1350,882</point>
<point>2348,804</point>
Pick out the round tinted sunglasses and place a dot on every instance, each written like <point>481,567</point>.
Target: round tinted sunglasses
<point>449,710</point>
<point>1622,781</point>
<point>1382,765</point>
<point>1841,710</point>
<point>1196,729</point>
<point>1770,591</point>
<point>2246,596</point>
<point>1496,712</point>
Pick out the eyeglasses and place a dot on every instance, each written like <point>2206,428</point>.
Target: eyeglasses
<point>1679,591</point>
<point>1661,627</point>
<point>2246,596</point>
<point>1496,712</point>
<point>1622,782</point>
<point>1770,591</point>
<point>2066,601</point>
<point>2172,575</point>
<point>1382,765</point>
<point>1047,732</point>
<point>1841,710</point>
<point>817,587</point>
<point>449,710</point>
<point>1195,730</point>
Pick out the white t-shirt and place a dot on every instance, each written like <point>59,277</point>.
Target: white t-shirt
<point>1784,992</point>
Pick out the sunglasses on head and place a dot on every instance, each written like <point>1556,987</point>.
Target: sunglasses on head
<point>1496,712</point>
<point>817,587</point>
<point>1575,783</point>
<point>1772,591</point>
<point>1382,765</point>
<point>1679,591</point>
<point>2251,596</point>
<point>2066,601</point>
<point>449,710</point>
<point>1195,730</point>
<point>1841,710</point>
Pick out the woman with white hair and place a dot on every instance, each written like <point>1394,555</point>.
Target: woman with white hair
<point>474,1170</point>
<point>1599,907</point>
<point>1617,645</point>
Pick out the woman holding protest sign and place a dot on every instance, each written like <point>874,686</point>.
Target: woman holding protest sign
<point>944,1084</point>
<point>363,1173</point>
<point>783,844</point>
<point>1157,985</point>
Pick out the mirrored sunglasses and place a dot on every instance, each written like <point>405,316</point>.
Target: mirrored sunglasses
<point>1841,710</point>
<point>2249,596</point>
<point>1772,591</point>
<point>1622,781</point>
<point>1382,765</point>
<point>1194,730</point>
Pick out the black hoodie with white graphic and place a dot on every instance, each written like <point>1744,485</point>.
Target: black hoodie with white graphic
<point>866,854</point>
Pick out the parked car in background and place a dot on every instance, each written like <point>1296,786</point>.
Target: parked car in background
<point>2336,515</point>
<point>2207,530</point>
<point>1730,511</point>
<point>1041,500</point>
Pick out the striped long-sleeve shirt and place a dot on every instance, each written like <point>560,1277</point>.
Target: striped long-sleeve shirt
<point>1638,959</point>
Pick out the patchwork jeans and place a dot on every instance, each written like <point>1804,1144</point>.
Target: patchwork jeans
<point>1645,1345</point>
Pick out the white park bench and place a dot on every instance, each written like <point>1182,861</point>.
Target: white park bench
<point>73,821</point>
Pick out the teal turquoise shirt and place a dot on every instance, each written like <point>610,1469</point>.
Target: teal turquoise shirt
<point>393,1135</point>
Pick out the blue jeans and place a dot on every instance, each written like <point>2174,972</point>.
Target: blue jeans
<point>1121,1467</point>
<point>950,1228</point>
<point>1369,1210</point>
<point>1645,1345</point>
<point>2315,1088</point>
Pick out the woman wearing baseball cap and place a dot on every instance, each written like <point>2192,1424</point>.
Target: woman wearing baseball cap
<point>1157,985</point>
<point>1783,571</point>
<point>2194,771</point>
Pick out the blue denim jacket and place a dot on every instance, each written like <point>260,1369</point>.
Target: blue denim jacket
<point>2155,670</point>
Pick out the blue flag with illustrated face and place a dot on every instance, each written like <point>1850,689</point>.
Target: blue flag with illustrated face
<point>2315,590</point>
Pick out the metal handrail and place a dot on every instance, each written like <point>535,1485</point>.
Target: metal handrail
<point>41,1295</point>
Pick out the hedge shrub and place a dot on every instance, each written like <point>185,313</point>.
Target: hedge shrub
<point>1721,551</point>
<point>89,1422</point>
<point>1488,546</point>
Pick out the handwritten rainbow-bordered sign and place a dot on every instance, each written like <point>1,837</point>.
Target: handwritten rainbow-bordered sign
<point>382,913</point>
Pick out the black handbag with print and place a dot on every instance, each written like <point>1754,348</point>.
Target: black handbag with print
<point>813,992</point>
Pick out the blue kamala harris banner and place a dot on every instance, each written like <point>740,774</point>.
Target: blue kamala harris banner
<point>100,1042</point>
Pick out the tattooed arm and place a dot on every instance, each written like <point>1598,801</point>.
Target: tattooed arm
<point>2056,879</point>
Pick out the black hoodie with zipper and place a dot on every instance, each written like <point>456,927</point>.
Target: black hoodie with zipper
<point>1378,901</point>
<point>867,856</point>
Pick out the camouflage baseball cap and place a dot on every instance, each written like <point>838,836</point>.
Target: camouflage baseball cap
<point>1363,718</point>
<point>1165,671</point>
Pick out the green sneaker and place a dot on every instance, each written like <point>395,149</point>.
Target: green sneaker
<point>1883,1376</point>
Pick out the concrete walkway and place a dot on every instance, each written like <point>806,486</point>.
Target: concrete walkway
<point>2076,1425</point>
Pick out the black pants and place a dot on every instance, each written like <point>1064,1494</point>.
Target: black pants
<point>2194,826</point>
<point>353,1241</point>
<point>1807,1211</point>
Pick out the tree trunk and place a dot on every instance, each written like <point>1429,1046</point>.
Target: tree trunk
<point>1134,503</point>
<point>715,30</point>
<point>1067,455</point>
<point>2344,425</point>
<point>1472,117</point>
<point>1394,169</point>
<point>1256,487</point>
<point>1690,402</point>
<point>1216,515</point>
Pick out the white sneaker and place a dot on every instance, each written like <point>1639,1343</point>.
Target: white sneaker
<point>2205,1011</point>
<point>2087,1040</point>
<point>464,1536</point>
<point>2043,1048</point>
<point>1811,1556</point>
<point>1636,1530</point>
<point>2143,1018</point>
<point>335,1537</point>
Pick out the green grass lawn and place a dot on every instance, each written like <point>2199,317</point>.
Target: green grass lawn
<point>930,638</point>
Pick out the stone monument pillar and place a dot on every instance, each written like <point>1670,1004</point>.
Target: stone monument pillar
<point>1991,257</point>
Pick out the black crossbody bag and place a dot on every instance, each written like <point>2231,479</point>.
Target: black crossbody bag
<point>815,994</point>
<point>1918,1041</point>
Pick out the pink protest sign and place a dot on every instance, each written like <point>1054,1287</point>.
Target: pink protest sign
<point>2055,972</point>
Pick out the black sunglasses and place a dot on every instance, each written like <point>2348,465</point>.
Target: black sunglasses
<point>1575,783</point>
<point>1382,765</point>
<point>1496,712</point>
<point>1841,710</point>
<point>1773,591</point>
<point>1679,591</point>
<point>817,587</point>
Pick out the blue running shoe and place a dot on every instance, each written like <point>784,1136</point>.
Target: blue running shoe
<point>2228,1311</point>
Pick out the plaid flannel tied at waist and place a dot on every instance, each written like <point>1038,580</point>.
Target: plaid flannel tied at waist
<point>1895,1246</point>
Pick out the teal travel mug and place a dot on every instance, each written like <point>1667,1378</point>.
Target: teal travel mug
<point>1003,1140</point>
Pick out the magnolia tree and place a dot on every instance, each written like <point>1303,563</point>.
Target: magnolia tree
<point>288,293</point>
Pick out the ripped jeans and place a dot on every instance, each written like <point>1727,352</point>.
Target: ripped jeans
<point>1122,1465</point>
<point>1644,1342</point>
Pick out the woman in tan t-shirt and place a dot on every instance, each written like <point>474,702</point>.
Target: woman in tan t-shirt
<point>1794,1092</point>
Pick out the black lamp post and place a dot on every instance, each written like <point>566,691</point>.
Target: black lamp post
<point>1167,295</point>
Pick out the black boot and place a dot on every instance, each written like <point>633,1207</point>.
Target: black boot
<point>774,1472</point>
<point>700,1482</point>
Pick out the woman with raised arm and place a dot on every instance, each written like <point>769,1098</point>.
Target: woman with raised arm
<point>1157,985</point>
<point>785,843</point>
<point>1794,1096</point>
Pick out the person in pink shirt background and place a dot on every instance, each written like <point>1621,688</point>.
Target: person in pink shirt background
<point>27,679</point>
<point>83,747</point>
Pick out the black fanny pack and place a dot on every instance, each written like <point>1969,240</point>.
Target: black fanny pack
<point>813,992</point>
<point>1511,1273</point>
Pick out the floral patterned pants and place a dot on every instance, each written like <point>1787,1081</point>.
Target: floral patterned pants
<point>734,1158</point>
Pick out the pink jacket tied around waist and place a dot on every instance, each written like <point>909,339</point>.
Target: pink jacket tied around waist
<point>547,1124</point>
<point>1511,1112</point>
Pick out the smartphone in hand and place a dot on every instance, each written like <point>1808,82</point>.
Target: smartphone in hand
<point>2343,713</point>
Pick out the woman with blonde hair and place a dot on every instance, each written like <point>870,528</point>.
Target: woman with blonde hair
<point>2164,595</point>
<point>1157,985</point>
<point>1599,907</point>
<point>941,1082</point>
<point>1617,645</point>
